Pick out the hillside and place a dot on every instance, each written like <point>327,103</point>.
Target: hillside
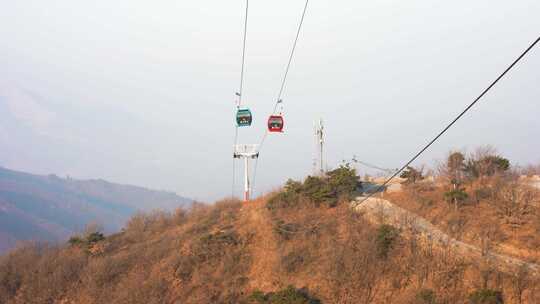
<point>303,244</point>
<point>498,213</point>
<point>49,208</point>
<point>378,211</point>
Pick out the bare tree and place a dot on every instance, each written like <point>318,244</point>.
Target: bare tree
<point>531,170</point>
<point>456,225</point>
<point>488,236</point>
<point>486,270</point>
<point>514,202</point>
<point>453,171</point>
<point>520,282</point>
<point>455,163</point>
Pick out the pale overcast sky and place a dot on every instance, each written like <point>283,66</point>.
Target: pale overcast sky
<point>142,92</point>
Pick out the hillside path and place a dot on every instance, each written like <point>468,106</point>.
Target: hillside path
<point>379,211</point>
<point>264,248</point>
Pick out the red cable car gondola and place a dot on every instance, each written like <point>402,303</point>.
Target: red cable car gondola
<point>275,123</point>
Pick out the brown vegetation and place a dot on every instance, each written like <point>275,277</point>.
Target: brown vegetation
<point>301,245</point>
<point>482,200</point>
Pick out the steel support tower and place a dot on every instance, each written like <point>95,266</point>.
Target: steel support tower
<point>246,152</point>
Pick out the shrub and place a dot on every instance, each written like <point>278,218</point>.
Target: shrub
<point>105,271</point>
<point>293,261</point>
<point>258,297</point>
<point>319,190</point>
<point>289,295</point>
<point>184,267</point>
<point>426,296</point>
<point>280,200</point>
<point>340,183</point>
<point>75,241</point>
<point>179,217</point>
<point>90,240</point>
<point>214,245</point>
<point>386,237</point>
<point>486,296</point>
<point>343,181</point>
<point>220,238</point>
<point>487,165</point>
<point>290,196</point>
<point>456,196</point>
<point>94,237</point>
<point>482,193</point>
<point>412,175</point>
<point>293,187</point>
<point>286,230</point>
<point>13,269</point>
<point>205,217</point>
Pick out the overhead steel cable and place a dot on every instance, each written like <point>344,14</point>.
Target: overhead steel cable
<point>292,54</point>
<point>240,92</point>
<point>372,166</point>
<point>378,189</point>
<point>284,79</point>
<point>243,55</point>
<point>283,82</point>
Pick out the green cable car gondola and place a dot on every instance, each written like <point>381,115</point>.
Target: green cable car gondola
<point>243,118</point>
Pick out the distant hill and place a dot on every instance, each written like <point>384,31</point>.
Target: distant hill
<point>50,208</point>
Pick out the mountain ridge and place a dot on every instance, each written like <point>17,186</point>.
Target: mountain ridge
<point>50,208</point>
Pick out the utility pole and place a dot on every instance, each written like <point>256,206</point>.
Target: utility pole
<point>319,139</point>
<point>246,152</point>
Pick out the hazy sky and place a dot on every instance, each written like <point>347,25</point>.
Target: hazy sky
<point>142,92</point>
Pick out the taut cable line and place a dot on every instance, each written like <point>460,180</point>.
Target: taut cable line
<point>452,122</point>
<point>240,93</point>
<point>283,82</point>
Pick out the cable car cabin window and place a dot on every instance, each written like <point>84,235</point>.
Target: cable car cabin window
<point>275,124</point>
<point>244,118</point>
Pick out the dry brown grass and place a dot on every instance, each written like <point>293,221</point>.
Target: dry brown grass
<point>225,252</point>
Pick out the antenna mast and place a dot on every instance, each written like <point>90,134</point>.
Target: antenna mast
<point>319,139</point>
